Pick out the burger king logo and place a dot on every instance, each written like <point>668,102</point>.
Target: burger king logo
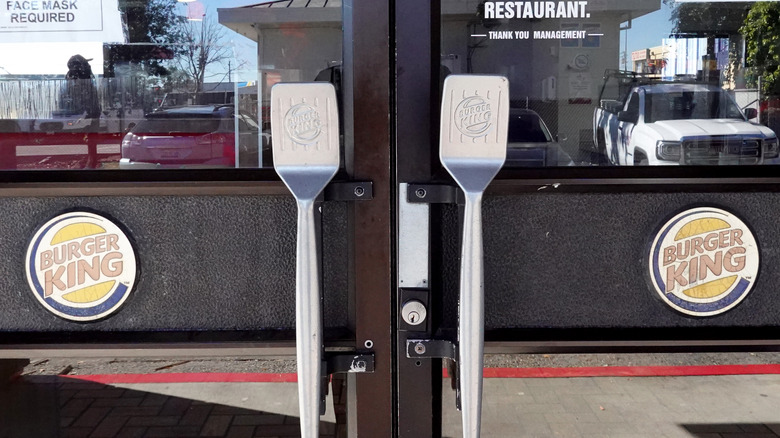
<point>81,266</point>
<point>473,117</point>
<point>303,124</point>
<point>704,262</point>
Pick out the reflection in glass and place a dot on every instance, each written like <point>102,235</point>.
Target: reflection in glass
<point>530,142</point>
<point>693,103</point>
<point>646,82</point>
<point>167,85</point>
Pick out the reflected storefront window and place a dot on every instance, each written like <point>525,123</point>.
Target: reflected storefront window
<point>626,82</point>
<point>154,84</point>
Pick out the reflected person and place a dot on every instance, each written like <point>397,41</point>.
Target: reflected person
<point>79,94</point>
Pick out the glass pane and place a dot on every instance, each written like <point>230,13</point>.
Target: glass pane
<point>154,84</point>
<point>626,82</point>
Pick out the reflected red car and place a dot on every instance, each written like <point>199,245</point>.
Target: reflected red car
<point>191,136</point>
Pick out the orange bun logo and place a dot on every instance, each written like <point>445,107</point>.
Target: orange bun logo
<point>704,262</point>
<point>81,266</point>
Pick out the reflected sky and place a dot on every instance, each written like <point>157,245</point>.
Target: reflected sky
<point>648,31</point>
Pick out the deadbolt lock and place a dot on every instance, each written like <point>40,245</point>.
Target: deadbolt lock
<point>413,312</point>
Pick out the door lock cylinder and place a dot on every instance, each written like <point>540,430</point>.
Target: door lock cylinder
<point>413,312</point>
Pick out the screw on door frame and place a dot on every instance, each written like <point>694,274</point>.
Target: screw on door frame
<point>419,348</point>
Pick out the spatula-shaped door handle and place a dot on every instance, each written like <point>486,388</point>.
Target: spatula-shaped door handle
<point>304,126</point>
<point>474,124</point>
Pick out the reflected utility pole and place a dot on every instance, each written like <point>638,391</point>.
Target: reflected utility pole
<point>626,28</point>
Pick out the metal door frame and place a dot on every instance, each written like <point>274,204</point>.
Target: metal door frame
<point>367,49</point>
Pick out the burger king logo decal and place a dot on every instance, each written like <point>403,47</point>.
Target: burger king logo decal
<point>473,117</point>
<point>704,262</point>
<point>81,266</point>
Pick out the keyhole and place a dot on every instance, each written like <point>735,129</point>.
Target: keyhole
<point>413,316</point>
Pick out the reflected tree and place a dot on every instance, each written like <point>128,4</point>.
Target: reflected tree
<point>154,28</point>
<point>203,45</point>
<point>762,36</point>
<point>703,20</point>
<point>709,20</point>
<point>712,21</point>
<point>753,30</point>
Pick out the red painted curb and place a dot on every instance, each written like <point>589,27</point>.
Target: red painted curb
<point>649,371</point>
<point>488,373</point>
<point>189,378</point>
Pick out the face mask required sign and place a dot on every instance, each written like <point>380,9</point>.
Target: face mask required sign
<point>60,20</point>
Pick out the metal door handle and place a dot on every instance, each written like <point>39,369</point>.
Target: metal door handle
<point>474,131</point>
<point>304,126</point>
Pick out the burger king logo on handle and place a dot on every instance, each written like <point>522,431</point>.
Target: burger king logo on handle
<point>474,117</point>
<point>81,266</point>
<point>303,123</point>
<point>704,261</point>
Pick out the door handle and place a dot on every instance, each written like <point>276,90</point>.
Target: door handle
<point>304,127</point>
<point>474,130</point>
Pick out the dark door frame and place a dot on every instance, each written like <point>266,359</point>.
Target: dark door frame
<point>367,49</point>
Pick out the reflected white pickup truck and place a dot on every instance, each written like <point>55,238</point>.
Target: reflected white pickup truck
<point>680,124</point>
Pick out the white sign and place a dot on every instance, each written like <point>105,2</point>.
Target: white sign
<point>60,20</point>
<point>640,55</point>
<point>580,86</point>
<point>536,10</point>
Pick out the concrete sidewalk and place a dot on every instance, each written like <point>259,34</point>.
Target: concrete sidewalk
<point>746,406</point>
<point>636,407</point>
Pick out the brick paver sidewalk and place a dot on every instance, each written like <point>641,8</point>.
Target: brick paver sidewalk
<point>63,407</point>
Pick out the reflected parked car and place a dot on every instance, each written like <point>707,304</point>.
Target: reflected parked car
<point>530,142</point>
<point>68,121</point>
<point>192,136</point>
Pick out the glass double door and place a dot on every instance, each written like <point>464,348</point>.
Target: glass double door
<point>620,116</point>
